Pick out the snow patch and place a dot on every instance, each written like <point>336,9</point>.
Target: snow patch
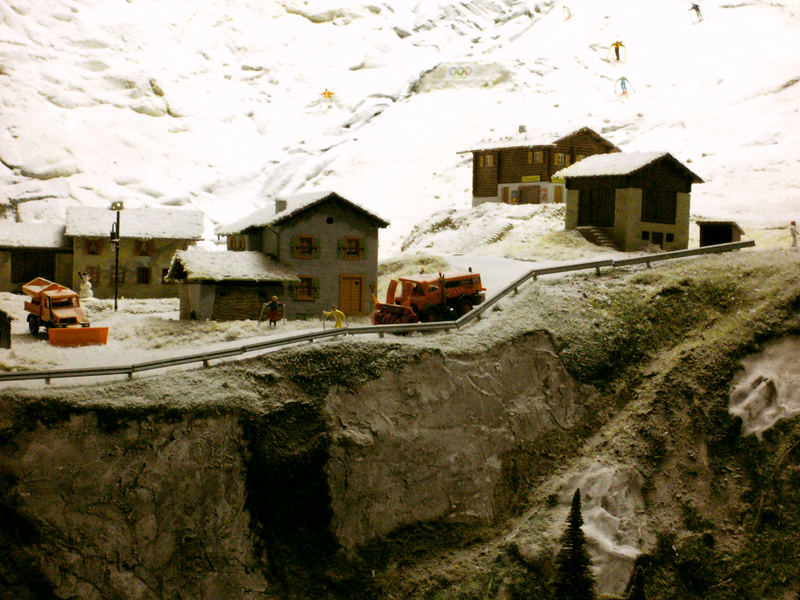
<point>768,387</point>
<point>612,505</point>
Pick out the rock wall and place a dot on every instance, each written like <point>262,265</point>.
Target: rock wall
<point>152,509</point>
<point>112,492</point>
<point>427,442</point>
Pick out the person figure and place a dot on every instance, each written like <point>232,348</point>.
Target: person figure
<point>696,8</point>
<point>336,314</point>
<point>567,12</point>
<point>272,306</point>
<point>616,46</point>
<point>623,84</point>
<point>793,231</point>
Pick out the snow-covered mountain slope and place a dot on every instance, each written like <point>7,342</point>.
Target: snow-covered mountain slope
<point>217,105</point>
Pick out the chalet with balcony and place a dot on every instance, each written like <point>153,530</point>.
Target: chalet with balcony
<point>632,198</point>
<point>313,251</point>
<point>149,237</point>
<point>522,172</point>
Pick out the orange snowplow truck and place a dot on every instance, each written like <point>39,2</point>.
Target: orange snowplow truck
<point>429,298</point>
<point>59,310</point>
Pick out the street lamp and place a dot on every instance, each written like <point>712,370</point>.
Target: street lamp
<point>116,207</point>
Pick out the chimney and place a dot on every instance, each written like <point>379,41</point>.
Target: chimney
<point>280,205</point>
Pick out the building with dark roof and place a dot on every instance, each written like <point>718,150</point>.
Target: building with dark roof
<point>318,249</point>
<point>521,171</point>
<point>633,198</point>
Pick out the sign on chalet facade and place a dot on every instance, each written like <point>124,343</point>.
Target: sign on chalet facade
<point>316,250</point>
<point>636,198</point>
<point>523,172</point>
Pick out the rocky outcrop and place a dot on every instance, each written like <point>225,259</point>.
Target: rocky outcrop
<point>151,509</point>
<point>428,442</point>
<point>244,481</point>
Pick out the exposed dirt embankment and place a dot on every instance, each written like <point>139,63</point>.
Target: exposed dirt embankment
<point>243,481</point>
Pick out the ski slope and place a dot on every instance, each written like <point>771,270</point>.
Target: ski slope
<point>218,106</point>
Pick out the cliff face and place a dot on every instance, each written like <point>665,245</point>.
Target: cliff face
<point>428,442</point>
<point>146,510</point>
<point>246,498</point>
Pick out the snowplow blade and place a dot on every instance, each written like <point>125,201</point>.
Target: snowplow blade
<point>77,336</point>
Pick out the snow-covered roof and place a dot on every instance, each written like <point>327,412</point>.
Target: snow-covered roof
<point>294,206</point>
<point>195,264</point>
<point>527,142</point>
<point>140,223</point>
<point>32,235</point>
<point>592,133</point>
<point>619,163</point>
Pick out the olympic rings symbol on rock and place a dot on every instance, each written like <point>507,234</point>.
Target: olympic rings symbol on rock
<point>460,72</point>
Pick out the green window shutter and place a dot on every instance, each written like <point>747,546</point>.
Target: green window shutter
<point>315,288</point>
<point>340,248</point>
<point>315,248</point>
<point>293,247</point>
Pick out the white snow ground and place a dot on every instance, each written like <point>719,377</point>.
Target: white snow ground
<point>217,105</point>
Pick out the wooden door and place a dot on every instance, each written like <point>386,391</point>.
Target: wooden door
<point>351,294</point>
<point>596,207</point>
<point>529,194</point>
<point>506,195</point>
<point>558,194</point>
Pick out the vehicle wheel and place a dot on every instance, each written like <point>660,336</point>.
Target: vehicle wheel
<point>33,324</point>
<point>464,307</point>
<point>429,315</point>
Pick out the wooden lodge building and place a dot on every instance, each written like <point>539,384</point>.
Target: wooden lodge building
<point>311,251</point>
<point>633,198</point>
<point>523,172</point>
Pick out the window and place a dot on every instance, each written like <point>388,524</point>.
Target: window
<point>659,206</point>
<point>121,276</point>
<point>306,289</point>
<point>486,160</point>
<point>143,247</point>
<point>143,275</point>
<point>351,248</point>
<point>538,157</point>
<point>645,235</point>
<point>559,159</point>
<point>579,157</point>
<point>236,242</point>
<point>304,246</point>
<point>670,237</point>
<point>93,247</point>
<point>94,275</point>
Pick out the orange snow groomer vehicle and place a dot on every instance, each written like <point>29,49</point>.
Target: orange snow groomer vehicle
<point>429,298</point>
<point>59,310</point>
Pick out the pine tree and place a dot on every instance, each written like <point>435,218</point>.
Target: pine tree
<point>636,591</point>
<point>574,579</point>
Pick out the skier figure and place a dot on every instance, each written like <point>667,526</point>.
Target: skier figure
<point>272,306</point>
<point>623,84</point>
<point>696,8</point>
<point>793,231</point>
<point>616,46</point>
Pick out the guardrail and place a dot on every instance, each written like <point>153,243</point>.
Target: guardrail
<point>206,357</point>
